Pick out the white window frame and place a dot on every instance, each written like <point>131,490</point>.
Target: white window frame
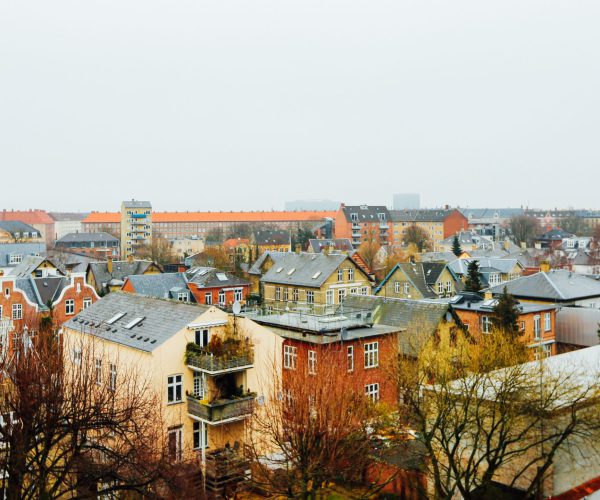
<point>174,388</point>
<point>310,297</point>
<point>202,337</point>
<point>208,298</point>
<point>537,327</point>
<point>440,288</point>
<point>277,293</point>
<point>350,359</point>
<point>312,362</point>
<point>238,294</point>
<point>182,297</point>
<point>197,435</point>
<point>112,376</point>
<point>98,370</point>
<point>286,294</point>
<point>372,392</point>
<point>69,307</point>
<point>178,432</point>
<point>87,302</point>
<point>17,311</point>
<point>396,287</point>
<point>329,298</point>
<point>340,275</point>
<point>449,286</point>
<point>76,356</point>
<point>290,357</point>
<point>341,295</point>
<point>547,322</point>
<point>486,324</point>
<point>350,274</point>
<point>199,385</point>
<point>222,297</point>
<point>406,288</point>
<point>15,258</point>
<point>371,355</point>
<point>365,290</point>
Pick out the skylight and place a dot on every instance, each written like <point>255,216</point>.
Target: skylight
<point>291,271</point>
<point>221,276</point>
<point>279,269</point>
<point>136,321</point>
<point>116,318</point>
<point>316,275</point>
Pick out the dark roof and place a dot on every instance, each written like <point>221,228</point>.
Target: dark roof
<point>421,274</point>
<point>366,213</point>
<point>557,285</point>
<point>339,244</point>
<point>555,235</point>
<point>14,226</point>
<point>272,237</point>
<point>160,286</point>
<point>423,215</point>
<point>29,265</point>
<point>121,269</point>
<point>161,319</point>
<point>474,302</point>
<point>87,237</point>
<point>210,277</point>
<point>137,204</point>
<point>70,261</point>
<point>23,249</point>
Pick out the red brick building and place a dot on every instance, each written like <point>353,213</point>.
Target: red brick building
<point>362,223</point>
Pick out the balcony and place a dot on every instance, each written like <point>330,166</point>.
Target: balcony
<point>355,226</point>
<point>138,216</point>
<point>221,411</point>
<point>230,355</point>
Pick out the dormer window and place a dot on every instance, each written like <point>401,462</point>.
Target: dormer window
<point>381,217</point>
<point>354,217</point>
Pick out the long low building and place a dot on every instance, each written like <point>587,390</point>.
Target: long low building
<point>187,224</point>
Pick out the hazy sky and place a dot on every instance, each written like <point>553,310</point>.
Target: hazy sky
<point>245,104</point>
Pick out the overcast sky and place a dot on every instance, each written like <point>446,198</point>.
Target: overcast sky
<point>245,104</point>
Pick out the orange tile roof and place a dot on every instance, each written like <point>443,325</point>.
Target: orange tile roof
<point>233,242</point>
<point>282,216</point>
<point>34,216</point>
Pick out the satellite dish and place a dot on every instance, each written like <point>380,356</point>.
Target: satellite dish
<point>237,307</point>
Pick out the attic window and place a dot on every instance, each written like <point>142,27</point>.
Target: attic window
<point>291,271</point>
<point>116,318</point>
<point>221,277</point>
<point>316,275</point>
<point>203,272</point>
<point>133,323</point>
<point>279,269</point>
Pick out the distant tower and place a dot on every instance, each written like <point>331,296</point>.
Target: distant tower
<point>404,201</point>
<point>136,226</point>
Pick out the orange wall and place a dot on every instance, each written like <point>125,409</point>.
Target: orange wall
<point>454,223</point>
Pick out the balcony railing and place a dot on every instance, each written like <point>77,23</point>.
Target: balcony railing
<point>212,364</point>
<point>221,410</point>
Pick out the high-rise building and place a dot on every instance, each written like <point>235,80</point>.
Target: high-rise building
<point>407,201</point>
<point>136,226</point>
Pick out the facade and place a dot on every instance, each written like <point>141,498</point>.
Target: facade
<point>207,394</point>
<point>98,245</point>
<point>493,271</point>
<point>12,254</point>
<point>537,322</point>
<point>36,267</point>
<point>37,218</point>
<point>173,225</point>
<point>362,223</point>
<point>315,281</point>
<point>437,223</point>
<point>109,276</point>
<point>212,286</point>
<point>419,280</point>
<point>491,222</point>
<point>67,222</point>
<point>136,226</point>
<point>184,247</point>
<point>271,240</point>
<point>18,232</point>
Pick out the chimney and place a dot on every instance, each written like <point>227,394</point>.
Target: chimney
<point>488,295</point>
<point>545,266</point>
<point>109,265</point>
<point>506,245</point>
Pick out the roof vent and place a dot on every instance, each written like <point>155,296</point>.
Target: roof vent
<point>153,341</point>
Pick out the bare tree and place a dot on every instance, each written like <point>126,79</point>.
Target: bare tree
<point>74,427</point>
<point>159,250</point>
<point>418,237</point>
<point>485,416</point>
<point>524,228</point>
<point>312,430</point>
<point>369,251</point>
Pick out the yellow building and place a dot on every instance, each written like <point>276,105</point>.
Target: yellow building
<point>19,232</point>
<point>270,240</point>
<point>419,280</point>
<point>136,226</point>
<point>310,280</point>
<point>210,368</point>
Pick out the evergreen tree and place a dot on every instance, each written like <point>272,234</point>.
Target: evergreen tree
<point>456,249</point>
<point>473,281</point>
<point>506,313</point>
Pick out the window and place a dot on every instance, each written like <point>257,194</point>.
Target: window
<point>182,297</point>
<point>522,326</point>
<point>199,385</point>
<point>341,295</point>
<point>290,355</point>
<point>353,291</point>
<point>406,288</point>
<point>365,290</point>
<point>17,311</point>
<point>286,295</point>
<point>174,388</point>
<point>201,337</point>
<point>7,292</point>
<point>547,322</point>
<point>310,297</point>
<point>312,362</point>
<point>15,258</point>
<point>329,297</point>
<point>277,293</point>
<point>350,358</point>
<point>494,279</point>
<point>397,287</point>
<point>76,355</point>
<point>87,302</point>
<point>372,355</point>
<point>238,295</point>
<point>486,324</point>
<point>295,295</point>
<point>112,376</point>
<point>98,371</point>
<point>449,286</point>
<point>440,288</point>
<point>221,297</point>
<point>208,298</point>
<point>340,275</point>
<point>354,217</point>
<point>372,392</point>
<point>547,350</point>
<point>69,306</point>
<point>537,327</point>
<point>175,444</point>
<point>350,274</point>
<point>199,442</point>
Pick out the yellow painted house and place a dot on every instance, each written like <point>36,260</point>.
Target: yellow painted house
<point>310,280</point>
<point>271,240</point>
<point>211,369</point>
<point>418,280</point>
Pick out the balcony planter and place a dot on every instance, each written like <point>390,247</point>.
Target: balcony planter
<point>221,410</point>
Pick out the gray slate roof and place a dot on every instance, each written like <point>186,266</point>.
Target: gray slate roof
<point>271,237</point>
<point>87,237</point>
<point>421,274</point>
<point>210,277</point>
<point>160,286</point>
<point>121,269</point>
<point>422,215</point>
<point>24,249</point>
<point>29,265</point>
<point>40,291</point>
<point>15,226</point>
<point>459,266</point>
<point>162,319</point>
<point>558,285</point>
<point>70,261</point>
<point>339,244</point>
<point>305,266</point>
<point>366,213</point>
<point>491,213</point>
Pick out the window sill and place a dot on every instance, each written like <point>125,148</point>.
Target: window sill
<point>172,403</point>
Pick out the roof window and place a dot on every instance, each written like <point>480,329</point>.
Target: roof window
<point>116,318</point>
<point>134,322</point>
